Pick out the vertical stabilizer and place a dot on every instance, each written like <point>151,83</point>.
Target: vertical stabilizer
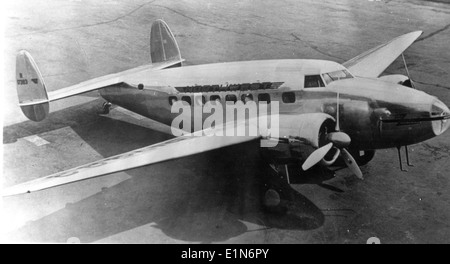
<point>163,46</point>
<point>33,99</point>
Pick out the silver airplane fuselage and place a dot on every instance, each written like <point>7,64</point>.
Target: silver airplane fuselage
<point>375,114</point>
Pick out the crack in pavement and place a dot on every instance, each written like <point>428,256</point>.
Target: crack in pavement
<point>83,26</point>
<point>217,27</point>
<point>432,84</point>
<point>315,47</point>
<point>433,33</point>
<point>296,38</point>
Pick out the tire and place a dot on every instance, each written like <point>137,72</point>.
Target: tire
<point>105,108</point>
<point>273,200</point>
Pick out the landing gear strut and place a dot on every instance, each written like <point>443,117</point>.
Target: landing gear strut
<point>105,108</point>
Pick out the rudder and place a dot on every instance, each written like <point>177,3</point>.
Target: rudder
<point>163,46</point>
<point>33,98</point>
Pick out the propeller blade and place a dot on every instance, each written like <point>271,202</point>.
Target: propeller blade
<point>351,163</point>
<point>316,156</point>
<point>339,139</point>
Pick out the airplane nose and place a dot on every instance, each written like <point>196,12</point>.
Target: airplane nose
<point>439,109</point>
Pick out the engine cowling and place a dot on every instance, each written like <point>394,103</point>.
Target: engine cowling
<point>313,129</point>
<point>321,133</point>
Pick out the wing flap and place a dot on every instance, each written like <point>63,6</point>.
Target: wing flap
<point>373,62</point>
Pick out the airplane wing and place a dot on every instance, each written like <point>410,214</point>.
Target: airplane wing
<point>171,149</point>
<point>373,62</point>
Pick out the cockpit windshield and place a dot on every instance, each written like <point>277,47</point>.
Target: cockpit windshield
<point>336,75</point>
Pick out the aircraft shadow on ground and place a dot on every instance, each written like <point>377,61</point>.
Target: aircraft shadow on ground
<point>201,198</point>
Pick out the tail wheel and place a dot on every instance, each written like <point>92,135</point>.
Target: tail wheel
<point>105,108</point>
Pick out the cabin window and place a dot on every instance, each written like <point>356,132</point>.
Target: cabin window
<point>172,99</point>
<point>327,78</point>
<point>255,86</point>
<point>232,87</point>
<point>288,97</point>
<point>245,86</point>
<point>231,98</point>
<point>246,97</point>
<point>214,88</point>
<point>206,88</point>
<point>214,98</point>
<point>266,85</point>
<point>264,97</point>
<point>187,99</point>
<point>313,81</point>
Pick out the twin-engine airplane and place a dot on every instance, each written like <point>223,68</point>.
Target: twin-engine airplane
<point>329,113</point>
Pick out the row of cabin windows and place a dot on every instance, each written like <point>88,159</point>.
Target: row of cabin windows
<point>231,87</point>
<point>311,81</point>
<point>286,97</point>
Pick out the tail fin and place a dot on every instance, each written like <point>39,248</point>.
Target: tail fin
<point>163,46</point>
<point>33,98</point>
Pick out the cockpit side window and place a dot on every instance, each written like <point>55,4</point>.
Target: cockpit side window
<point>313,81</point>
<point>336,75</point>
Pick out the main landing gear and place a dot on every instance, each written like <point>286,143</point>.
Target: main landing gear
<point>105,108</point>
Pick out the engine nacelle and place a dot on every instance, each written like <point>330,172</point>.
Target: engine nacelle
<point>312,127</point>
<point>311,131</point>
<point>397,79</point>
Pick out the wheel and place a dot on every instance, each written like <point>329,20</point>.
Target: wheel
<point>274,200</point>
<point>271,198</point>
<point>105,108</point>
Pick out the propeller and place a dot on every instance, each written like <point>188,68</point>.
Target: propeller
<point>316,156</point>
<point>336,139</point>
<point>351,163</point>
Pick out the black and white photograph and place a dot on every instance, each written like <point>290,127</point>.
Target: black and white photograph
<point>225,122</point>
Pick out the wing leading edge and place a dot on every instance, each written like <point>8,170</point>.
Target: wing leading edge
<point>171,149</point>
<point>374,61</point>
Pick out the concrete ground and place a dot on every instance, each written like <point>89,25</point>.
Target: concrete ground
<point>211,197</point>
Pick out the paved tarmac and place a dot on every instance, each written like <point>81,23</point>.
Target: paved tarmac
<point>211,197</point>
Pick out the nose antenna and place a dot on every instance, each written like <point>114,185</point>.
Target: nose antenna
<point>337,111</point>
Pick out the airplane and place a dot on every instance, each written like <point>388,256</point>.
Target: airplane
<point>330,114</point>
